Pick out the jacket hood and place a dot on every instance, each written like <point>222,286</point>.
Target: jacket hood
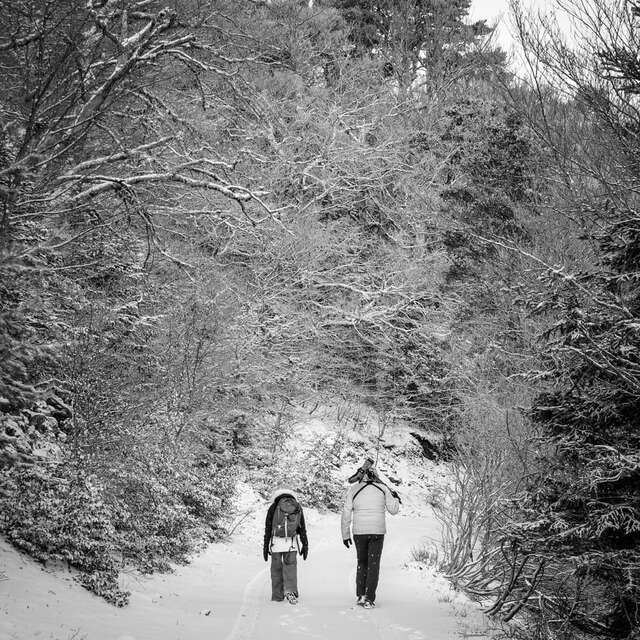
<point>282,491</point>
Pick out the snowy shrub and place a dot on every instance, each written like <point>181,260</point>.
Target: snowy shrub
<point>163,520</point>
<point>62,517</point>
<point>319,484</point>
<point>139,515</point>
<point>426,554</point>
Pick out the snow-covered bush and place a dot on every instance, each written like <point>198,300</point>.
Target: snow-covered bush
<point>136,515</point>
<point>61,514</point>
<point>319,484</point>
<point>164,515</point>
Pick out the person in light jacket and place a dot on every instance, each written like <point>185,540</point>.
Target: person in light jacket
<point>364,513</point>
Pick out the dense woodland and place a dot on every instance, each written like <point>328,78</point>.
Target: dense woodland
<point>213,211</point>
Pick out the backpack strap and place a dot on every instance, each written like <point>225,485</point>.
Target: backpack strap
<point>273,515</point>
<point>366,484</point>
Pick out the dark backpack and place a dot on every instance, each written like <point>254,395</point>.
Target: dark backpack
<point>286,518</point>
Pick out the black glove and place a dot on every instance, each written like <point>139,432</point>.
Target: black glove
<point>304,551</point>
<point>265,552</point>
<point>347,542</point>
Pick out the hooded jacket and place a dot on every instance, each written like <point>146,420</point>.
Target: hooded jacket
<point>268,525</point>
<point>365,512</point>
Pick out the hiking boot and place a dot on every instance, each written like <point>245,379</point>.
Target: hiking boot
<point>292,598</point>
<point>360,600</point>
<point>367,604</point>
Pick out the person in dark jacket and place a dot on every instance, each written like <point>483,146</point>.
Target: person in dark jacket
<point>283,549</point>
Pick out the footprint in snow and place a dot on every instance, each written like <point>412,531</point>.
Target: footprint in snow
<point>413,634</point>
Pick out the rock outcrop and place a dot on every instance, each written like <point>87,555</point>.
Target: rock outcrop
<point>32,435</point>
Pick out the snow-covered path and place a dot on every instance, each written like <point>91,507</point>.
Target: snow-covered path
<point>224,594</point>
<point>407,607</point>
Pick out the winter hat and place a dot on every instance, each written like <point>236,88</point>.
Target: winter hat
<point>284,491</point>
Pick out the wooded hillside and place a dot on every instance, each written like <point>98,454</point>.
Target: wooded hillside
<point>214,212</point>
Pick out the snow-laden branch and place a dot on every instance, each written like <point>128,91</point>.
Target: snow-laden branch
<point>109,183</point>
<point>73,172</point>
<point>15,43</point>
<point>556,271</point>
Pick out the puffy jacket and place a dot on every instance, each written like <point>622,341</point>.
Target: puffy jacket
<point>367,510</point>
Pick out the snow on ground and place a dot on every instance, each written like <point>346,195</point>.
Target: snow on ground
<point>224,594</point>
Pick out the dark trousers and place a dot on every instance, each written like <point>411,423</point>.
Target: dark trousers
<point>368,550</point>
<point>284,574</point>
